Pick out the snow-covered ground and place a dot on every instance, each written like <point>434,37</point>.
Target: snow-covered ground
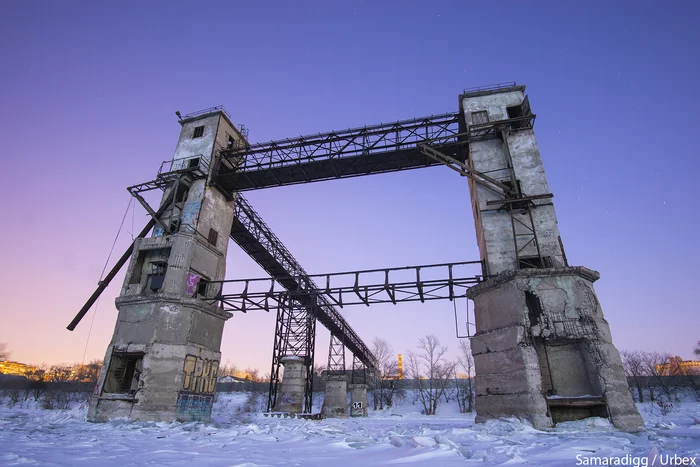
<point>34,436</point>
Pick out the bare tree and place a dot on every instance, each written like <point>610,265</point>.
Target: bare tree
<point>697,349</point>
<point>228,369</point>
<point>4,353</point>
<point>37,383</point>
<point>656,365</point>
<point>88,373</point>
<point>252,374</point>
<point>636,369</point>
<point>384,386</point>
<point>60,373</point>
<point>465,386</point>
<point>430,371</point>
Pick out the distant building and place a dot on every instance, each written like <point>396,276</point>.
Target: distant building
<point>16,368</point>
<point>399,368</point>
<point>233,379</point>
<point>676,366</point>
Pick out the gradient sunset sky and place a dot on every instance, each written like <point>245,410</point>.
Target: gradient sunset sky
<point>89,92</point>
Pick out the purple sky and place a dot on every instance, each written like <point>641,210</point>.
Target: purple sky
<point>89,91</point>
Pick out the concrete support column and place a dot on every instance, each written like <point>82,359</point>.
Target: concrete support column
<point>546,348</point>
<point>336,403</point>
<point>358,400</point>
<point>291,396</point>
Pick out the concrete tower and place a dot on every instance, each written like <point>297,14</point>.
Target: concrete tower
<point>164,355</point>
<point>543,350</point>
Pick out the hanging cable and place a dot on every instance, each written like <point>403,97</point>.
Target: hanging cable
<point>97,304</point>
<point>133,213</point>
<point>454,303</point>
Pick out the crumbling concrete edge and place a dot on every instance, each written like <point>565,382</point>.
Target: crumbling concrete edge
<point>505,276</point>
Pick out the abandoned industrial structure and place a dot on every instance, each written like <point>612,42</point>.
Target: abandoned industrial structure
<point>542,349</point>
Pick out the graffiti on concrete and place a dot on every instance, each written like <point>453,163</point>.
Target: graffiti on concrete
<point>200,375</point>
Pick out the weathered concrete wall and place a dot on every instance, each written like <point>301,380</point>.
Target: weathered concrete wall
<point>291,394</point>
<point>188,146</point>
<point>562,316</point>
<point>540,332</point>
<point>335,405</point>
<point>164,354</point>
<point>358,400</point>
<point>494,230</point>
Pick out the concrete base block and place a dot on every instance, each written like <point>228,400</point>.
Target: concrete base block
<point>335,404</point>
<point>358,400</point>
<point>542,331</point>
<point>291,393</point>
<point>623,412</point>
<point>531,407</point>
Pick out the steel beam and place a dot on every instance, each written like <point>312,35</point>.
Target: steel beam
<point>256,239</point>
<point>403,284</point>
<point>337,154</point>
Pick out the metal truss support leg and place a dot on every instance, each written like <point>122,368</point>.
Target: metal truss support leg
<point>336,359</point>
<point>310,351</point>
<point>359,371</point>
<point>295,334</point>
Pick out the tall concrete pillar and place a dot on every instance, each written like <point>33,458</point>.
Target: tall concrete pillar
<point>162,361</point>
<point>335,405</point>
<point>291,394</point>
<point>543,350</point>
<point>358,400</point>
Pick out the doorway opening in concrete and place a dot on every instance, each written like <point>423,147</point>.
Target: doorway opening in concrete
<point>124,373</point>
<point>566,410</point>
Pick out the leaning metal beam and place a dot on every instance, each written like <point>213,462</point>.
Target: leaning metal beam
<point>372,286</point>
<point>338,154</point>
<point>261,244</point>
<point>102,285</point>
<point>463,169</point>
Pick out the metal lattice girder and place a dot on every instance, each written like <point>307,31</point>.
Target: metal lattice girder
<point>394,285</point>
<point>255,237</point>
<point>295,334</point>
<point>367,150</point>
<point>359,372</point>
<point>336,359</point>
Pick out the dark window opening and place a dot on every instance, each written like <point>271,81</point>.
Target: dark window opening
<point>157,276</point>
<point>534,308</point>
<point>479,118</point>
<point>509,184</point>
<point>198,132</point>
<point>213,237</point>
<point>515,111</point>
<point>530,262</point>
<point>521,110</point>
<point>230,143</point>
<point>202,288</point>
<point>174,225</point>
<point>181,194</point>
<point>535,262</point>
<point>193,163</point>
<point>124,373</point>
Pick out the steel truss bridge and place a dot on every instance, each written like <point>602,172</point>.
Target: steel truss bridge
<point>298,300</point>
<point>365,287</point>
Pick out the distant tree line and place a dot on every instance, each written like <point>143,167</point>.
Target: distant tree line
<point>431,375</point>
<point>657,376</point>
